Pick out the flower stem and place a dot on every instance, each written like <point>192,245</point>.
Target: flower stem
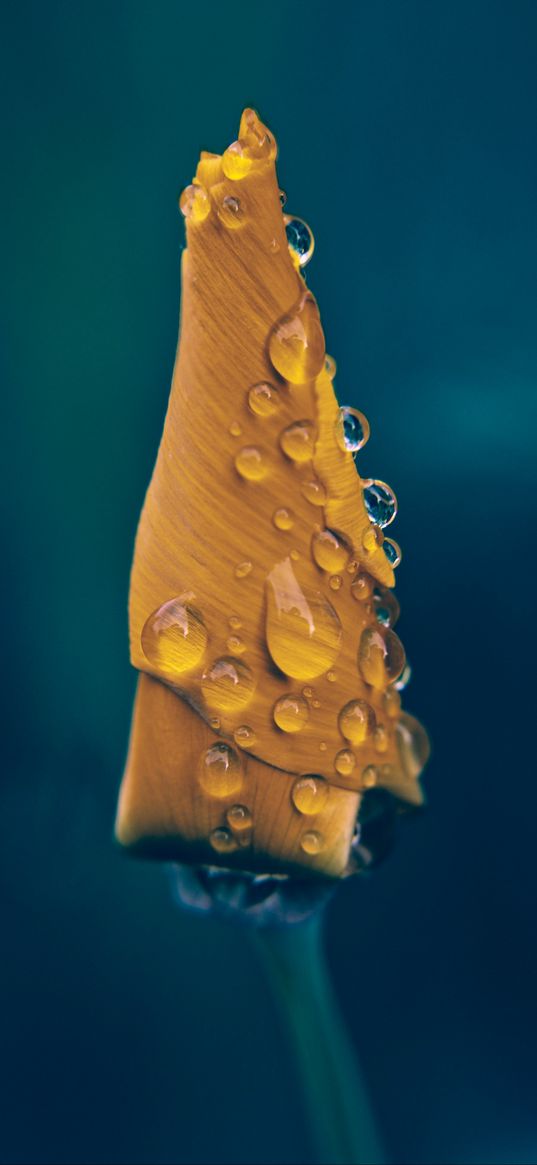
<point>342,1124</point>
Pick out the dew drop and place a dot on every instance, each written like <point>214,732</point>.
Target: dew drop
<point>381,656</point>
<point>174,637</point>
<point>380,738</point>
<point>220,774</point>
<point>228,685</point>
<point>215,723</point>
<point>323,746</point>
<point>392,551</point>
<point>264,399</point>
<point>300,239</point>
<point>380,502</point>
<point>251,464</point>
<point>222,841</point>
<point>302,628</point>
<point>404,679</point>
<point>330,366</point>
<point>242,569</point>
<point>295,555</point>
<point>296,343</point>
<point>413,745</point>
<point>356,721</point>
<point>310,795</point>
<point>236,162</point>
<point>352,430</point>
<point>312,842</point>
<point>345,762</point>
<point>314,492</point>
<point>291,713</point>
<point>392,703</point>
<point>298,441</point>
<point>369,777</point>
<point>235,429</point>
<point>195,203</point>
<point>307,692</point>
<point>255,137</point>
<point>315,703</point>
<point>283,519</point>
<point>283,197</point>
<point>331,677</point>
<point>231,212</point>
<point>234,622</point>
<point>235,645</point>
<point>329,552</point>
<point>372,538</point>
<point>386,607</point>
<point>362,587</point>
<point>335,582</point>
<point>245,736</point>
<point>239,820</point>
<point>352,566</point>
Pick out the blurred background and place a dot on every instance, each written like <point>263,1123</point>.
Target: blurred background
<point>407,136</point>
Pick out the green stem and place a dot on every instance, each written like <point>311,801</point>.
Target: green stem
<point>342,1124</point>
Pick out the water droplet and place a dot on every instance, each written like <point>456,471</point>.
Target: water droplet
<point>352,566</point>
<point>251,464</point>
<point>291,713</point>
<point>245,736</point>
<point>380,502</point>
<point>235,645</point>
<point>220,773</point>
<point>236,161</point>
<point>195,203</point>
<point>372,538</point>
<point>335,582</point>
<point>362,587</point>
<point>329,552</point>
<point>330,366</point>
<point>231,212</point>
<point>296,343</point>
<point>380,738</point>
<point>295,555</point>
<point>242,569</point>
<point>352,430</point>
<point>228,685</point>
<point>234,622</point>
<point>235,429</point>
<point>356,721</point>
<point>331,677</point>
<point>310,795</point>
<point>312,842</point>
<point>386,607</point>
<point>369,777</point>
<point>345,762</point>
<point>215,723</point>
<point>283,197</point>
<point>298,441</point>
<point>392,703</point>
<point>392,551</point>
<point>314,492</point>
<point>222,841</point>
<point>323,746</point>
<point>307,692</point>
<point>174,637</point>
<point>413,745</point>
<point>239,820</point>
<point>255,136</point>
<point>264,399</point>
<point>283,519</point>
<point>274,246</point>
<point>381,656</point>
<point>300,239</point>
<point>404,678</point>
<point>303,629</point>
<point>315,703</point>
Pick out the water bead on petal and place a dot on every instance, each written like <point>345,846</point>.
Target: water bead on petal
<point>352,430</point>
<point>380,502</point>
<point>300,239</point>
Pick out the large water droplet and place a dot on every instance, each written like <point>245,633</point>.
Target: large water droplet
<point>237,161</point>
<point>362,587</point>
<point>302,628</point>
<point>264,399</point>
<point>251,464</point>
<point>195,203</point>
<point>380,502</point>
<point>314,492</point>
<point>174,637</point>
<point>244,736</point>
<point>312,842</point>
<point>296,343</point>
<point>329,551</point>
<point>356,721</point>
<point>404,678</point>
<point>300,239</point>
<point>220,773</point>
<point>385,606</point>
<point>291,713</point>
<point>228,685</point>
<point>310,795</point>
<point>413,744</point>
<point>381,656</point>
<point>392,551</point>
<point>298,441</point>
<point>352,430</point>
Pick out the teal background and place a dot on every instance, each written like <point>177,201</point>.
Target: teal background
<point>407,135</point>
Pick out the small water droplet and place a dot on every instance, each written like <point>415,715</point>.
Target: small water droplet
<point>256,138</point>
<point>215,723</point>
<point>242,569</point>
<point>235,645</point>
<point>362,587</point>
<point>369,777</point>
<point>283,519</point>
<point>174,637</point>
<point>228,685</point>
<point>404,678</point>
<point>234,622</point>
<point>380,738</point>
<point>335,582</point>
<point>330,366</point>
<point>295,555</point>
<point>392,551</point>
<point>245,736</point>
<point>312,842</point>
<point>291,713</point>
<point>352,430</point>
<point>251,464</point>
<point>303,630</point>
<point>310,795</point>
<point>222,841</point>
<point>300,239</point>
<point>231,212</point>
<point>331,677</point>
<point>195,203</point>
<point>413,745</point>
<point>264,399</point>
<point>235,429</point>
<point>329,552</point>
<point>345,762</point>
<point>298,441</point>
<point>356,721</point>
<point>296,343</point>
<point>220,773</point>
<point>392,703</point>
<point>381,656</point>
<point>386,607</point>
<point>352,566</point>
<point>236,161</point>
<point>283,197</point>
<point>372,539</point>
<point>307,692</point>
<point>314,492</point>
<point>380,502</point>
<point>323,746</point>
<point>315,703</point>
<point>239,819</point>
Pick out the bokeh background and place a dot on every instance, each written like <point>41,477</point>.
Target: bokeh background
<point>407,134</point>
